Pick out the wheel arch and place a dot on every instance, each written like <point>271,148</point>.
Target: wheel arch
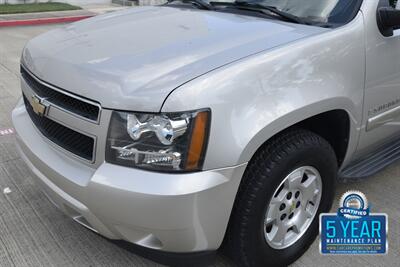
<point>337,126</point>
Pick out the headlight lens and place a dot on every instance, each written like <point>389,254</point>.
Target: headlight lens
<point>173,142</point>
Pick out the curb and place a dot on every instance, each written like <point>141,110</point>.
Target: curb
<point>39,21</point>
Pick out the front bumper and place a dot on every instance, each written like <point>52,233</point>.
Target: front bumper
<point>170,212</point>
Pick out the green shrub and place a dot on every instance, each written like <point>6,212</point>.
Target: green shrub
<point>36,7</point>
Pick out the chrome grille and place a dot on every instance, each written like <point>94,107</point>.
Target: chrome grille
<point>72,141</point>
<point>76,105</point>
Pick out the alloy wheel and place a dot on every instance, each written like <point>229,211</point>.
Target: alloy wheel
<point>293,207</point>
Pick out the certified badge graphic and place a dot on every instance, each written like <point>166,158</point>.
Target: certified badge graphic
<point>354,205</point>
<point>353,229</point>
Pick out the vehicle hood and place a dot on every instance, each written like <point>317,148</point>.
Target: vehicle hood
<point>132,60</point>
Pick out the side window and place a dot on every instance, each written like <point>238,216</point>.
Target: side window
<point>393,3</point>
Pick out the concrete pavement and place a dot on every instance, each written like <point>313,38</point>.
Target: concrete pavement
<point>34,233</point>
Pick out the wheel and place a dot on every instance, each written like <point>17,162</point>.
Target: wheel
<point>287,184</point>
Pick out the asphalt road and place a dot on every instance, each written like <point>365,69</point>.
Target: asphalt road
<point>34,233</point>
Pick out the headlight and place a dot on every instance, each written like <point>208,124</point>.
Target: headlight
<point>160,142</point>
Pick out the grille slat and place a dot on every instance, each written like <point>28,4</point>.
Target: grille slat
<point>66,138</point>
<point>71,104</point>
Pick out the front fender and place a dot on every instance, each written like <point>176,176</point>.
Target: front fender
<point>255,98</point>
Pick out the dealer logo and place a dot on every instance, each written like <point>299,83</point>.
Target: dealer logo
<point>353,229</point>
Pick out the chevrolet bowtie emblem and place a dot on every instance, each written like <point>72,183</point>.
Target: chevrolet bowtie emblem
<point>38,107</point>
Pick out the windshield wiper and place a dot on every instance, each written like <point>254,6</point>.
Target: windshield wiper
<point>261,8</point>
<point>199,3</point>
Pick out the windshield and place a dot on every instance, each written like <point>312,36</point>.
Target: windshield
<point>326,11</point>
<point>332,12</point>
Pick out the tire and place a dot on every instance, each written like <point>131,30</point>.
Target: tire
<point>249,242</point>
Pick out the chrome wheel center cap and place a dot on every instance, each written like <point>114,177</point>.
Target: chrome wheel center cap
<point>293,207</point>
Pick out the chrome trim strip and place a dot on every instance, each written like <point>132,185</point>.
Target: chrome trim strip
<point>383,118</point>
<point>68,94</point>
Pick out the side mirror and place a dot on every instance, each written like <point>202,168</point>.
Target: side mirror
<point>388,20</point>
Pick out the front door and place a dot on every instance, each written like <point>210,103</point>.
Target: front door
<point>381,118</point>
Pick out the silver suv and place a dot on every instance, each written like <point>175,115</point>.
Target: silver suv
<point>194,124</point>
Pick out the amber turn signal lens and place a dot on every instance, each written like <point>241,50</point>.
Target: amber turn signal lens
<point>198,141</point>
